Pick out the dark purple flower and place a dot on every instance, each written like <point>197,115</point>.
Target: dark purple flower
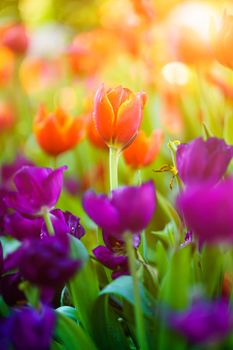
<point>3,209</point>
<point>200,160</point>
<point>207,211</point>
<point>38,189</point>
<point>9,289</point>
<point>113,255</point>
<point>44,262</point>
<point>5,332</point>
<point>63,223</point>
<point>32,329</point>
<point>128,208</point>
<point>1,259</point>
<point>8,170</point>
<point>21,227</point>
<point>204,322</point>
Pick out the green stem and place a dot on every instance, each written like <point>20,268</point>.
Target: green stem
<point>114,154</point>
<point>48,223</point>
<point>143,233</point>
<point>140,328</point>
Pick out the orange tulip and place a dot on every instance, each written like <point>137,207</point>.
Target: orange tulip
<point>118,115</point>
<point>222,41</point>
<point>57,132</point>
<point>143,150</point>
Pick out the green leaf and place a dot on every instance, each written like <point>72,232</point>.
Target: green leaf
<point>212,266</point>
<point>169,210</point>
<point>109,332</point>
<point>83,287</point>
<point>71,335</point>
<point>68,311</point>
<point>122,287</point>
<point>175,286</point>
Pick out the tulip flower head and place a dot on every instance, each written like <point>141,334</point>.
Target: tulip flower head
<point>207,211</point>
<point>143,150</point>
<point>57,132</point>
<point>201,160</point>
<point>128,209</point>
<point>204,322</point>
<point>118,115</point>
<point>15,37</point>
<point>222,42</point>
<point>37,190</point>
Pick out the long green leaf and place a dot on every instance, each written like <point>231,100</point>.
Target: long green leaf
<point>72,336</point>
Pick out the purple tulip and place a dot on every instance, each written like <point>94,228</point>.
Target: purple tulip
<point>44,262</point>
<point>63,223</point>
<point>38,189</point>
<point>21,227</point>
<point>200,160</point>
<point>128,208</point>
<point>204,322</point>
<point>113,255</point>
<point>32,329</point>
<point>207,211</point>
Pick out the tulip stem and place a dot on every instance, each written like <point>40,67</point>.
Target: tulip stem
<point>48,223</point>
<point>114,154</point>
<point>139,321</point>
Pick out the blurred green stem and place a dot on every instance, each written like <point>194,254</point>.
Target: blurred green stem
<point>139,321</point>
<point>114,154</point>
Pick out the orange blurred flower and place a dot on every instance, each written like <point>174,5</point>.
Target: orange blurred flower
<point>118,115</point>
<point>57,132</point>
<point>38,74</point>
<point>6,64</point>
<point>92,133</point>
<point>87,50</point>
<point>15,38</point>
<point>225,88</point>
<point>222,41</point>
<point>143,150</point>
<point>7,116</point>
<point>170,113</point>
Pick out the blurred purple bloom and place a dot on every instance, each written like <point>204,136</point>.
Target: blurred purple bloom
<point>21,227</point>
<point>72,186</point>
<point>128,208</point>
<point>8,170</point>
<point>32,329</point>
<point>200,160</point>
<point>113,255</point>
<point>44,262</point>
<point>1,259</point>
<point>204,322</point>
<point>37,189</point>
<point>3,209</point>
<point>207,211</point>
<point>63,223</point>
<point>9,289</point>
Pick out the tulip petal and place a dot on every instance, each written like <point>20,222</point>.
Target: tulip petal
<point>103,115</point>
<point>128,120</point>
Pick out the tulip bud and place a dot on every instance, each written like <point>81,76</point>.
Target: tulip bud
<point>118,115</point>
<point>57,132</point>
<point>143,150</point>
